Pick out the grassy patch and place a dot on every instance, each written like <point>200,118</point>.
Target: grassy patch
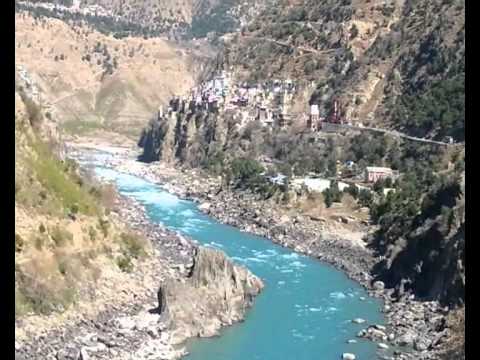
<point>32,295</point>
<point>79,127</point>
<point>133,245</point>
<point>58,180</point>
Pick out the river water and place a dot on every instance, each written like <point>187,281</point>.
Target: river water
<point>305,309</point>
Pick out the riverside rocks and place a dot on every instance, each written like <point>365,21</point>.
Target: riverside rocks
<point>247,212</point>
<point>136,330</point>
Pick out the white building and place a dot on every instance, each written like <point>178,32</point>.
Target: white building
<point>375,173</point>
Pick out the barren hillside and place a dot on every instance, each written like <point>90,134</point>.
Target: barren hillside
<point>68,244</point>
<point>89,80</point>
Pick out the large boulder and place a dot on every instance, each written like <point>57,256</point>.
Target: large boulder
<point>216,293</point>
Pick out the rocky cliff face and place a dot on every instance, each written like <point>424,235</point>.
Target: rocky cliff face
<point>428,254</point>
<point>189,138</point>
<point>216,293</point>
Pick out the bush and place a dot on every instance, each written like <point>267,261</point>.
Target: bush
<point>378,186</point>
<point>42,300</point>
<point>39,241</point>
<point>92,233</point>
<point>352,190</point>
<point>353,32</point>
<point>103,226</point>
<point>19,243</point>
<point>124,263</point>
<point>61,236</point>
<point>332,194</point>
<point>133,245</point>
<point>365,198</point>
<point>34,111</point>
<point>246,171</point>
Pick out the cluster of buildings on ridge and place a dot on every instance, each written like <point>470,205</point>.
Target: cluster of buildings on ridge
<point>268,102</point>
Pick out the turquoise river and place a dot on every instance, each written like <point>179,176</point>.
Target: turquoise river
<point>305,309</point>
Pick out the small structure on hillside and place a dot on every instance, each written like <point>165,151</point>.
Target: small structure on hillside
<point>375,173</point>
<point>314,118</point>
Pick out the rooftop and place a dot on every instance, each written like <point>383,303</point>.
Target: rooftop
<point>378,169</point>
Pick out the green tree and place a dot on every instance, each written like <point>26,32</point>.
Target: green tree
<point>365,198</point>
<point>352,190</point>
<point>332,194</point>
<point>246,171</point>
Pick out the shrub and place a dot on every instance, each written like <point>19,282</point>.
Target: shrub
<point>34,111</point>
<point>19,243</point>
<point>133,245</point>
<point>353,32</point>
<point>103,225</point>
<point>40,241</point>
<point>61,236</point>
<point>124,263</point>
<point>365,198</point>
<point>246,171</point>
<point>92,233</point>
<point>332,194</point>
<point>352,190</point>
<point>40,299</point>
<point>74,209</point>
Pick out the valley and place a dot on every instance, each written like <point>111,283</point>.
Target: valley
<point>334,130</point>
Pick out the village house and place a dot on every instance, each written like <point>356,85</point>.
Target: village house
<point>374,173</point>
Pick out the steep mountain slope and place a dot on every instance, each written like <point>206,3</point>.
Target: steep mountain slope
<point>395,65</point>
<point>424,248</point>
<point>151,18</point>
<point>65,239</point>
<point>382,61</point>
<point>93,81</point>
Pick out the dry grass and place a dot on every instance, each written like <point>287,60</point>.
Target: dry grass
<point>454,347</point>
<point>137,87</point>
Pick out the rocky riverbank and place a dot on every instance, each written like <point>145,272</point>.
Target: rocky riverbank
<point>130,324</point>
<point>415,329</point>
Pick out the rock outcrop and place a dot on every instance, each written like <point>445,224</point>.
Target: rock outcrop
<point>188,137</point>
<point>216,293</point>
<point>429,257</point>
